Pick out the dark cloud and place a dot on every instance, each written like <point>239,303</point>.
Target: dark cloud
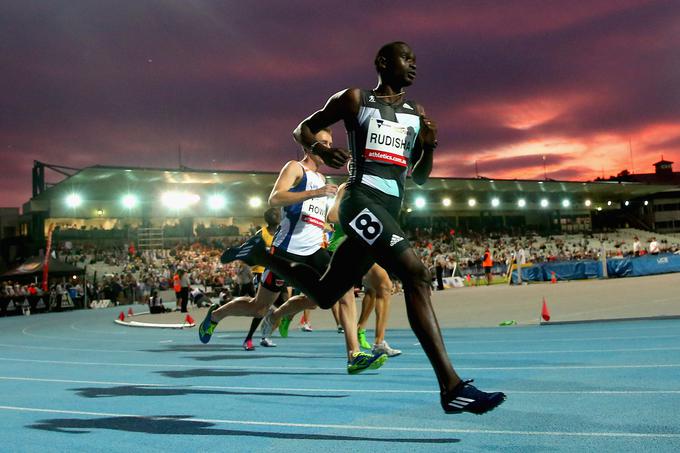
<point>127,83</point>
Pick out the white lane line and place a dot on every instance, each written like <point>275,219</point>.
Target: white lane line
<point>569,339</point>
<point>350,427</point>
<point>241,353</point>
<point>304,354</point>
<point>335,390</point>
<point>80,339</point>
<point>536,339</point>
<point>97,332</point>
<point>311,369</point>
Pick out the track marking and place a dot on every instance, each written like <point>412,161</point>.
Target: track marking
<point>248,367</point>
<point>569,339</point>
<point>327,390</point>
<point>241,353</point>
<point>303,354</point>
<point>350,427</point>
<point>98,332</point>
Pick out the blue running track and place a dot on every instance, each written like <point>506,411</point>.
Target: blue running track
<point>78,382</point>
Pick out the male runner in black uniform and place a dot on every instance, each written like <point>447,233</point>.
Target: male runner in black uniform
<point>387,135</point>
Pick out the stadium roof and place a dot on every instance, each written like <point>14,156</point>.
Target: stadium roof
<point>108,182</point>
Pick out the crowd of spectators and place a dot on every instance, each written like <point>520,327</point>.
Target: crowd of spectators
<point>466,251</point>
<point>127,275</point>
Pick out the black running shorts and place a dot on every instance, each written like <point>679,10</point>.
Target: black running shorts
<point>370,217</point>
<point>318,260</point>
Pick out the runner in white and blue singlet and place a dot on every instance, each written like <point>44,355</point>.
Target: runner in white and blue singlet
<point>301,192</point>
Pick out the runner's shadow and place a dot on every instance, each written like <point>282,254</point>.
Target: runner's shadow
<point>203,372</point>
<point>182,425</point>
<point>197,348</point>
<point>254,356</point>
<point>140,390</point>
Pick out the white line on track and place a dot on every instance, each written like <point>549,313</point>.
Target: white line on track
<point>569,339</point>
<point>333,356</point>
<point>225,351</point>
<point>351,427</point>
<point>528,339</point>
<point>97,332</point>
<point>311,369</point>
<point>334,390</point>
<point>80,339</point>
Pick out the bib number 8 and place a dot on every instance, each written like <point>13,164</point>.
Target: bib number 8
<point>367,226</point>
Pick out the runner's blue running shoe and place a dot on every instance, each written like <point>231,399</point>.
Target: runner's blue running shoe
<point>207,327</point>
<point>253,252</point>
<point>465,397</point>
<point>362,361</point>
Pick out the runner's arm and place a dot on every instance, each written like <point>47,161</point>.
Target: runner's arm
<point>334,213</point>
<point>290,174</point>
<point>343,105</point>
<point>424,148</point>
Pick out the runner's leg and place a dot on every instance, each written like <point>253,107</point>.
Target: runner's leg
<point>349,263</point>
<point>380,283</point>
<point>367,306</point>
<point>247,306</point>
<point>416,279</point>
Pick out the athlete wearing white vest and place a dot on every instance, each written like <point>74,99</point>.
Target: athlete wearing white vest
<point>301,193</point>
<point>302,224</point>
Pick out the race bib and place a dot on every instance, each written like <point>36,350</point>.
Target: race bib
<point>367,225</point>
<point>314,211</point>
<point>388,142</point>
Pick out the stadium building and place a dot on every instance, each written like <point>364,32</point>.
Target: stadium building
<point>155,207</point>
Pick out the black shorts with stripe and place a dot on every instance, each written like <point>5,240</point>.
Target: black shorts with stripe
<point>318,260</point>
<point>371,217</point>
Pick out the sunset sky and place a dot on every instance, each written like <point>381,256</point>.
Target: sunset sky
<point>86,82</point>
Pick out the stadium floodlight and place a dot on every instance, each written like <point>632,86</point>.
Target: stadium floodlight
<point>409,210</point>
<point>129,201</point>
<point>73,200</point>
<point>216,202</point>
<point>544,202</point>
<point>446,202</point>
<point>255,202</point>
<point>179,200</point>
<point>566,203</point>
<point>599,208</point>
<point>646,202</point>
<point>495,202</point>
<point>521,202</point>
<point>588,203</point>
<point>609,203</point>
<point>420,202</point>
<point>626,203</point>
<point>472,202</point>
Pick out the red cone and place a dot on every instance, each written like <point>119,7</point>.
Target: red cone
<point>545,313</point>
<point>553,279</point>
<point>121,316</point>
<point>130,313</point>
<point>189,320</point>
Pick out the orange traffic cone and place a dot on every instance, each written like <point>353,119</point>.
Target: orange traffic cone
<point>130,313</point>
<point>121,316</point>
<point>189,320</point>
<point>553,278</point>
<point>545,313</point>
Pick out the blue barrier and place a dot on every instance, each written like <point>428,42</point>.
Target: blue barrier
<point>644,265</point>
<point>585,269</point>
